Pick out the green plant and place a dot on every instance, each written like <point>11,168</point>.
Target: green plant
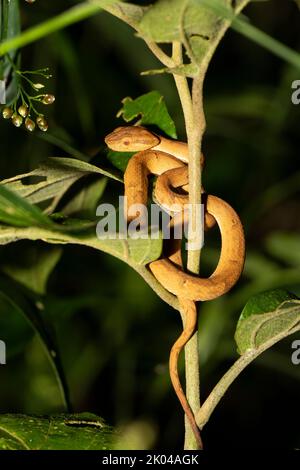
<point>266,318</point>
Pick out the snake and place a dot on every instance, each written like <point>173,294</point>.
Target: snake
<point>168,159</point>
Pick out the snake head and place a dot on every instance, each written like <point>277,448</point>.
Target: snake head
<point>131,139</point>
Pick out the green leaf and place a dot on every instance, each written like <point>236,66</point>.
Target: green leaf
<point>131,251</point>
<point>32,266</point>
<point>162,22</point>
<point>266,316</point>
<point>84,431</point>
<point>191,22</point>
<point>200,25</point>
<point>55,177</point>
<point>16,211</point>
<point>150,109</point>
<point>34,313</point>
<point>127,12</point>
<point>85,202</point>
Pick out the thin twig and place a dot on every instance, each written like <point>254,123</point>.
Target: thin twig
<point>156,286</point>
<point>222,386</point>
<point>160,55</point>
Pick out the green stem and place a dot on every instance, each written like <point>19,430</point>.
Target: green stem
<point>194,133</point>
<point>195,128</point>
<point>73,15</point>
<point>156,286</point>
<point>222,386</point>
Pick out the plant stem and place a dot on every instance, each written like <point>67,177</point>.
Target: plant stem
<point>204,413</point>
<point>194,128</point>
<point>192,107</point>
<point>73,15</point>
<point>170,299</point>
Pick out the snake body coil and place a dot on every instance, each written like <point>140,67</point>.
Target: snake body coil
<point>168,160</point>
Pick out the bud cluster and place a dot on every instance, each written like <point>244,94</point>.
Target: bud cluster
<point>23,108</point>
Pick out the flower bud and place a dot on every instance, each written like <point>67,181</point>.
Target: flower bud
<point>29,124</point>
<point>23,110</point>
<point>17,120</point>
<point>38,86</point>
<point>48,99</point>
<point>42,123</point>
<point>7,112</point>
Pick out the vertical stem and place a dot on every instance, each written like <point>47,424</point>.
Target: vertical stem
<point>192,380</point>
<point>195,126</point>
<point>194,136</point>
<point>192,107</point>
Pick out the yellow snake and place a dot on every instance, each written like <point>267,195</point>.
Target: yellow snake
<point>168,160</point>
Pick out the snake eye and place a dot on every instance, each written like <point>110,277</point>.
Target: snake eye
<point>126,143</point>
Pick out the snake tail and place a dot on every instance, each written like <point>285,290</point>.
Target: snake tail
<point>190,310</point>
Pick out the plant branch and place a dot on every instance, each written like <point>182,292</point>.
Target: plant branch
<point>191,350</point>
<point>73,15</point>
<point>222,386</point>
<point>159,54</point>
<point>165,295</point>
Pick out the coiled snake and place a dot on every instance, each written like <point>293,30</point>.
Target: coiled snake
<point>168,160</point>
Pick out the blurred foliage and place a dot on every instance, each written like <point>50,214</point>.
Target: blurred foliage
<point>113,333</point>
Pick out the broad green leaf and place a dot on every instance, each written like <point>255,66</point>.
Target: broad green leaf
<point>55,177</point>
<point>163,21</point>
<point>150,109</point>
<point>285,246</point>
<point>84,431</point>
<point>266,316</point>
<point>34,313</point>
<point>32,266</point>
<point>191,22</point>
<point>199,25</point>
<point>85,202</point>
<point>16,211</point>
<point>127,12</point>
<point>131,251</point>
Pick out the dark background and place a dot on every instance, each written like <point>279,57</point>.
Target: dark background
<point>114,333</point>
